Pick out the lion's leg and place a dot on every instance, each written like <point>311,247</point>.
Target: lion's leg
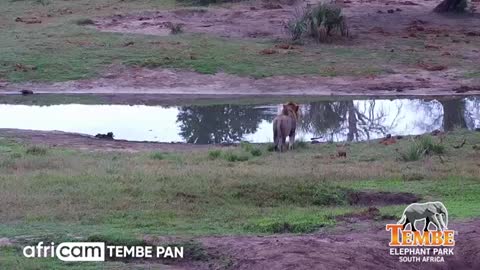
<point>291,141</point>
<point>283,143</point>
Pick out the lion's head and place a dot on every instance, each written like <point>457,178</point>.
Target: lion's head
<point>291,108</point>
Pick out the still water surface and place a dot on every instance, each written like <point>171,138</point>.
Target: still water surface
<point>324,120</point>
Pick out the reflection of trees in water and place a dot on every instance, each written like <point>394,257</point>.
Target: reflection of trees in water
<point>353,120</point>
<point>219,123</point>
<point>449,114</point>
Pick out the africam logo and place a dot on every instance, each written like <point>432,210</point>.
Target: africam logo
<point>433,213</point>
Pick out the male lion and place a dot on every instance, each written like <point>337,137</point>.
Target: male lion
<point>285,125</point>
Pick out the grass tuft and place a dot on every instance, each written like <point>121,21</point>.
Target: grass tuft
<point>214,154</point>
<point>157,155</point>
<point>422,147</point>
<point>36,151</point>
<point>84,21</point>
<point>232,156</point>
<point>301,144</point>
<point>319,23</point>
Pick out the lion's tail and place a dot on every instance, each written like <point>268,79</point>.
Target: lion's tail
<point>402,220</point>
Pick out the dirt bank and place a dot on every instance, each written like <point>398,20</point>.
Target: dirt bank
<point>90,143</point>
<point>174,82</point>
<point>363,245</point>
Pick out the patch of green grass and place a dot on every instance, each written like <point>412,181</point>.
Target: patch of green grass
<point>12,258</point>
<point>296,222</point>
<point>116,239</point>
<point>121,197</point>
<point>263,194</point>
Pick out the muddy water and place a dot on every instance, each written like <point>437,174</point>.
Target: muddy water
<point>324,120</point>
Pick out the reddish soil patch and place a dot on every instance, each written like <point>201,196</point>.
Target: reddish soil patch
<point>363,245</point>
<point>367,19</point>
<point>371,198</point>
<point>239,21</point>
<point>372,213</point>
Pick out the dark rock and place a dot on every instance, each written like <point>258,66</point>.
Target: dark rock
<point>108,136</point>
<point>26,92</point>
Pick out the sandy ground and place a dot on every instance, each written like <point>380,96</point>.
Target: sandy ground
<point>174,82</point>
<point>368,19</point>
<point>360,245</point>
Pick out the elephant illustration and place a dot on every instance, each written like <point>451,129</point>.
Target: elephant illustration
<point>434,212</point>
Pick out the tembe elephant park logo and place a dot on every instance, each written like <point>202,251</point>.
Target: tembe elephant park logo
<point>421,235</point>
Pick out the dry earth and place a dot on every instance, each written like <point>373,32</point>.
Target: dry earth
<point>90,143</point>
<point>173,82</point>
<point>362,245</point>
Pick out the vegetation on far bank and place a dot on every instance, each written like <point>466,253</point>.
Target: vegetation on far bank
<point>64,46</point>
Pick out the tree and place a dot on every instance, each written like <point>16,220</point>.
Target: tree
<point>452,6</point>
<point>219,123</point>
<point>333,120</point>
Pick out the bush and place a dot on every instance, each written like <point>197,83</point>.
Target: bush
<point>300,144</point>
<point>36,150</point>
<point>271,147</point>
<point>256,152</point>
<point>214,154</point>
<point>246,146</point>
<point>413,153</point>
<point>319,22</point>
<point>84,22</point>
<point>431,147</point>
<point>422,147</point>
<point>175,28</point>
<point>233,157</point>
<point>157,155</point>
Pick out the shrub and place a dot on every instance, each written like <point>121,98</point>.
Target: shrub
<point>319,22</point>
<point>300,144</point>
<point>297,26</point>
<point>271,147</point>
<point>256,152</point>
<point>84,22</point>
<point>233,157</point>
<point>431,147</point>
<point>157,155</point>
<point>419,148</point>
<point>214,154</point>
<point>246,146</point>
<point>175,28</point>
<point>413,153</point>
<point>36,150</point>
